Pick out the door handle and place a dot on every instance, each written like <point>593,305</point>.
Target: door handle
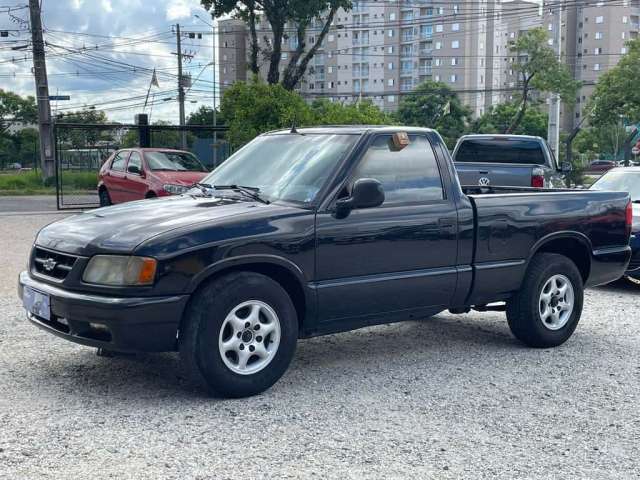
<point>481,172</point>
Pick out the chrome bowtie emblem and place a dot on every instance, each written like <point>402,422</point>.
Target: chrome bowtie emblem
<point>49,264</point>
<point>484,181</point>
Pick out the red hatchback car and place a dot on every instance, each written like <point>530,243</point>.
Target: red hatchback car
<point>139,173</point>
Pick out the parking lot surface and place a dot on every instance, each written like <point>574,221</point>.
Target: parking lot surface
<point>447,397</point>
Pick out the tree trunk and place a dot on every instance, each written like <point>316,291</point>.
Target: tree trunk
<point>296,70</point>
<point>523,107</point>
<point>292,66</point>
<point>277,28</point>
<point>253,55</point>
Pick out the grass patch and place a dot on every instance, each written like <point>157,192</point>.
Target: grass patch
<point>31,183</point>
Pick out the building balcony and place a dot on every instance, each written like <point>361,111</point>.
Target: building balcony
<point>425,70</point>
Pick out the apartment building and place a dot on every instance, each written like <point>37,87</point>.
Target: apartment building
<point>382,50</point>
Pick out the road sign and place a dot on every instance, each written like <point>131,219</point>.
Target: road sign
<point>59,97</point>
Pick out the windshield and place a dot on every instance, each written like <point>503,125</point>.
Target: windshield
<point>620,181</point>
<point>501,150</point>
<point>289,167</point>
<point>173,161</point>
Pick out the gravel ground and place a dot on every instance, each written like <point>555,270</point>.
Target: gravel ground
<point>448,397</point>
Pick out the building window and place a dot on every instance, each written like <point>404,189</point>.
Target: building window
<point>454,61</point>
<point>453,78</point>
<point>623,50</point>
<point>390,49</point>
<point>550,27</point>
<point>436,78</point>
<point>455,44</point>
<point>438,62</point>
<point>390,33</point>
<point>625,19</point>
<point>439,28</point>
<point>600,19</point>
<point>455,27</point>
<point>331,37</point>
<point>599,36</point>
<point>391,82</point>
<point>390,66</point>
<point>596,67</point>
<point>438,45</point>
<point>597,50</point>
<point>391,98</point>
<point>392,16</point>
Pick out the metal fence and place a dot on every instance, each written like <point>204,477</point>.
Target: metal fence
<point>81,149</point>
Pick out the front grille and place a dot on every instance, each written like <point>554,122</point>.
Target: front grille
<point>53,264</point>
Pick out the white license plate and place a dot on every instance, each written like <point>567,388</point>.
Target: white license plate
<point>37,303</point>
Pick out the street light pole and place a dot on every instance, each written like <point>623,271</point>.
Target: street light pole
<point>213,64</point>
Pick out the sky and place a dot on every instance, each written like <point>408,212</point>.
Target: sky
<point>102,53</point>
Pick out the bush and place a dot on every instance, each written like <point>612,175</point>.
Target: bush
<point>31,182</point>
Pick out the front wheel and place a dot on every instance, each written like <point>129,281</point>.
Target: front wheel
<point>239,334</point>
<point>105,199</point>
<point>546,310</point>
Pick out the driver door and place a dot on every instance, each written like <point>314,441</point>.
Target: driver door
<point>396,260</point>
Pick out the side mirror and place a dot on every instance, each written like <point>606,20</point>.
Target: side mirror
<point>566,167</point>
<point>366,193</point>
<point>134,169</point>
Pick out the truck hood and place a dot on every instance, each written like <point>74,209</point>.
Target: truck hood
<point>121,228</point>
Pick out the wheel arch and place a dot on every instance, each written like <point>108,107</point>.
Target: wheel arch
<point>573,245</point>
<point>284,272</point>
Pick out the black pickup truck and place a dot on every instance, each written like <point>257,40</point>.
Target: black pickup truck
<point>314,231</point>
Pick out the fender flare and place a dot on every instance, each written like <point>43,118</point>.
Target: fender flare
<point>234,262</point>
<point>567,234</point>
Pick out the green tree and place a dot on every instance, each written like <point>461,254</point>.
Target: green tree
<point>83,137</point>
<point>538,68</point>
<point>360,113</point>
<point>435,105</point>
<point>604,142</point>
<point>302,14</point>
<point>202,116</point>
<point>14,108</point>
<point>616,95</point>
<point>256,107</point>
<point>499,118</point>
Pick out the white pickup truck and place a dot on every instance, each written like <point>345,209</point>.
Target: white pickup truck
<point>508,160</point>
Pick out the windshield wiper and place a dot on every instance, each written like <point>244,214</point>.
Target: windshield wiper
<point>251,192</point>
<point>204,188</point>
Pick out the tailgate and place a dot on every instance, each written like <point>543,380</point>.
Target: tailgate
<point>496,174</point>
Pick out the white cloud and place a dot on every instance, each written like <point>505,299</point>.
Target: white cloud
<point>179,9</point>
<point>106,5</point>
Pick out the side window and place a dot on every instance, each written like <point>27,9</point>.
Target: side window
<point>118,161</point>
<point>409,175</point>
<point>134,161</point>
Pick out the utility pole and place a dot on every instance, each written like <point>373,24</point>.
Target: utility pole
<point>183,133</point>
<point>553,133</point>
<point>45,125</point>
<point>213,64</point>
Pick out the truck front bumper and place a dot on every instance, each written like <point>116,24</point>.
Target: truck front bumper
<point>125,324</point>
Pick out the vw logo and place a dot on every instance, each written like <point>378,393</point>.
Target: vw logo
<point>49,264</point>
<point>484,181</point>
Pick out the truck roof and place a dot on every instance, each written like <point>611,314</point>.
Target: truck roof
<point>501,136</point>
<point>352,129</point>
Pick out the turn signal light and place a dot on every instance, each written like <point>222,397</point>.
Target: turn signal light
<point>628,220</point>
<point>147,271</point>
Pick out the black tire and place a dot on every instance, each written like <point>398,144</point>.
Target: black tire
<point>523,310</point>
<point>204,319</point>
<point>150,195</point>
<point>105,199</point>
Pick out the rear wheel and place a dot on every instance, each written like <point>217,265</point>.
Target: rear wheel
<point>546,310</point>
<point>105,199</point>
<point>150,195</point>
<point>239,334</point>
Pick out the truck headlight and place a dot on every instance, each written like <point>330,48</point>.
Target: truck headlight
<point>120,270</point>
<point>175,189</point>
